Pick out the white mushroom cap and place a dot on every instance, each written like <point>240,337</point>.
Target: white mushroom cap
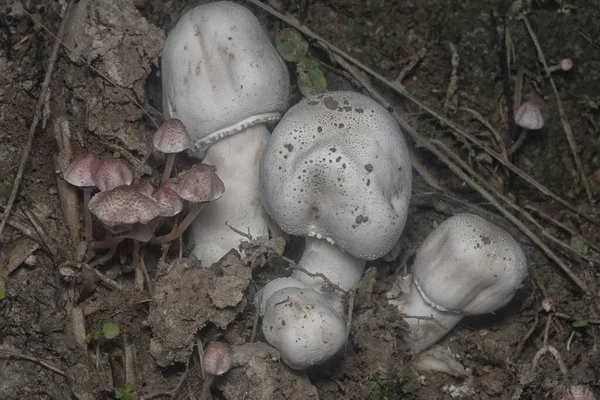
<point>303,327</point>
<point>220,73</point>
<point>468,265</point>
<point>337,167</point>
<point>274,286</point>
<point>529,116</point>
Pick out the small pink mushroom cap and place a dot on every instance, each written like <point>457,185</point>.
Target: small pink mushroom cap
<point>200,184</point>
<point>579,392</point>
<point>123,205</point>
<point>172,137</point>
<point>113,173</point>
<point>529,116</point>
<point>217,358</point>
<point>566,64</point>
<point>169,202</point>
<point>81,171</point>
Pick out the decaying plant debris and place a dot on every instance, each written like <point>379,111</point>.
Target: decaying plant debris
<point>437,66</point>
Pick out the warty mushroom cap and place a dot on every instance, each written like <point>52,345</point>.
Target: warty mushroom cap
<point>81,171</point>
<point>529,116</point>
<point>112,173</point>
<point>337,167</point>
<point>217,358</point>
<point>123,205</point>
<point>468,265</point>
<point>221,74</point>
<point>200,184</point>
<point>172,137</point>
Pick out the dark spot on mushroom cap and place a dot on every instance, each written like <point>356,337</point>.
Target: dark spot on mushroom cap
<point>330,103</point>
<point>369,167</point>
<point>289,147</point>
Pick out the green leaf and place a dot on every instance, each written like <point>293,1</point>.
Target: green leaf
<point>110,330</point>
<point>129,387</point>
<point>93,335</point>
<point>578,244</point>
<point>311,81</point>
<point>2,293</point>
<point>290,45</point>
<point>117,154</point>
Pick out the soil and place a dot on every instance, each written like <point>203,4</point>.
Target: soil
<point>99,90</point>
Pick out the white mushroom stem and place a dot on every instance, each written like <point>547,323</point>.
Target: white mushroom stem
<point>427,324</point>
<point>237,158</point>
<point>168,168</point>
<point>339,267</point>
<point>87,213</point>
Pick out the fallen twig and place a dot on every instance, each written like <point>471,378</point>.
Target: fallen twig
<point>12,354</point>
<point>562,114</point>
<point>36,117</point>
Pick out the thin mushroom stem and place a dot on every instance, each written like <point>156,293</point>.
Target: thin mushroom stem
<point>87,213</point>
<point>168,167</point>
<point>205,394</point>
<point>178,230</point>
<point>107,243</point>
<point>518,143</point>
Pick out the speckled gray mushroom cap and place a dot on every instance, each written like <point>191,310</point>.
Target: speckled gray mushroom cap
<point>123,205</point>
<point>469,265</point>
<point>221,74</point>
<point>337,167</point>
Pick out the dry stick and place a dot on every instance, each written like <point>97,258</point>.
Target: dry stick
<point>41,232</point>
<point>36,118</point>
<point>12,354</point>
<point>527,336</point>
<point>513,205</point>
<point>562,114</point>
<point>256,317</point>
<point>401,91</point>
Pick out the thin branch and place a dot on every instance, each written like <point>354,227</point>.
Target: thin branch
<point>12,354</point>
<point>36,117</point>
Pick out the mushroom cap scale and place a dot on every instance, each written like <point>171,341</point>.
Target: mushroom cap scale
<point>123,205</point>
<point>172,137</point>
<point>81,171</point>
<point>468,265</point>
<point>337,167</point>
<point>221,74</point>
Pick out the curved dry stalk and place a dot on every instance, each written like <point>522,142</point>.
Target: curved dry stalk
<point>402,91</point>
<point>179,229</point>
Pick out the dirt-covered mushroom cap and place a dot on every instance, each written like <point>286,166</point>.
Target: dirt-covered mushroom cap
<point>123,205</point>
<point>81,171</point>
<point>172,137</point>
<point>468,265</point>
<point>200,184</point>
<point>113,173</point>
<point>529,116</point>
<point>337,167</point>
<point>220,73</point>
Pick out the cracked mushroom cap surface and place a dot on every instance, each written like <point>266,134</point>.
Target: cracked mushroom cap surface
<point>469,265</point>
<point>123,205</point>
<point>337,167</point>
<point>221,74</point>
<point>81,171</point>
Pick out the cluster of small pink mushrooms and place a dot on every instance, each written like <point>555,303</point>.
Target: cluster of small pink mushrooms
<point>335,170</point>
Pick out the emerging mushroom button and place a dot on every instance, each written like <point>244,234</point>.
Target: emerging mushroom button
<point>466,266</point>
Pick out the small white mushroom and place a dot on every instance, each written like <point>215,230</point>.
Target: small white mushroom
<point>224,80</point>
<point>466,266</point>
<point>337,171</point>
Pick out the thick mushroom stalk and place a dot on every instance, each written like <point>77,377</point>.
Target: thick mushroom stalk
<point>336,171</point>
<point>224,80</point>
<point>466,266</point>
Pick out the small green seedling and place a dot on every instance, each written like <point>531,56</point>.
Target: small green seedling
<point>578,245</point>
<point>579,322</point>
<point>116,154</point>
<point>293,48</point>
<point>108,330</point>
<point>127,392</point>
<point>2,293</point>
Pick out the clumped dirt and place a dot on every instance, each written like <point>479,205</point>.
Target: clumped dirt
<point>111,108</point>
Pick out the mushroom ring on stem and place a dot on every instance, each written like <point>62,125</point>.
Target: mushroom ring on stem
<point>466,266</point>
<point>224,80</point>
<point>337,171</point>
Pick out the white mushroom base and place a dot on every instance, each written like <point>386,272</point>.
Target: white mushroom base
<point>424,332</point>
<point>237,158</point>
